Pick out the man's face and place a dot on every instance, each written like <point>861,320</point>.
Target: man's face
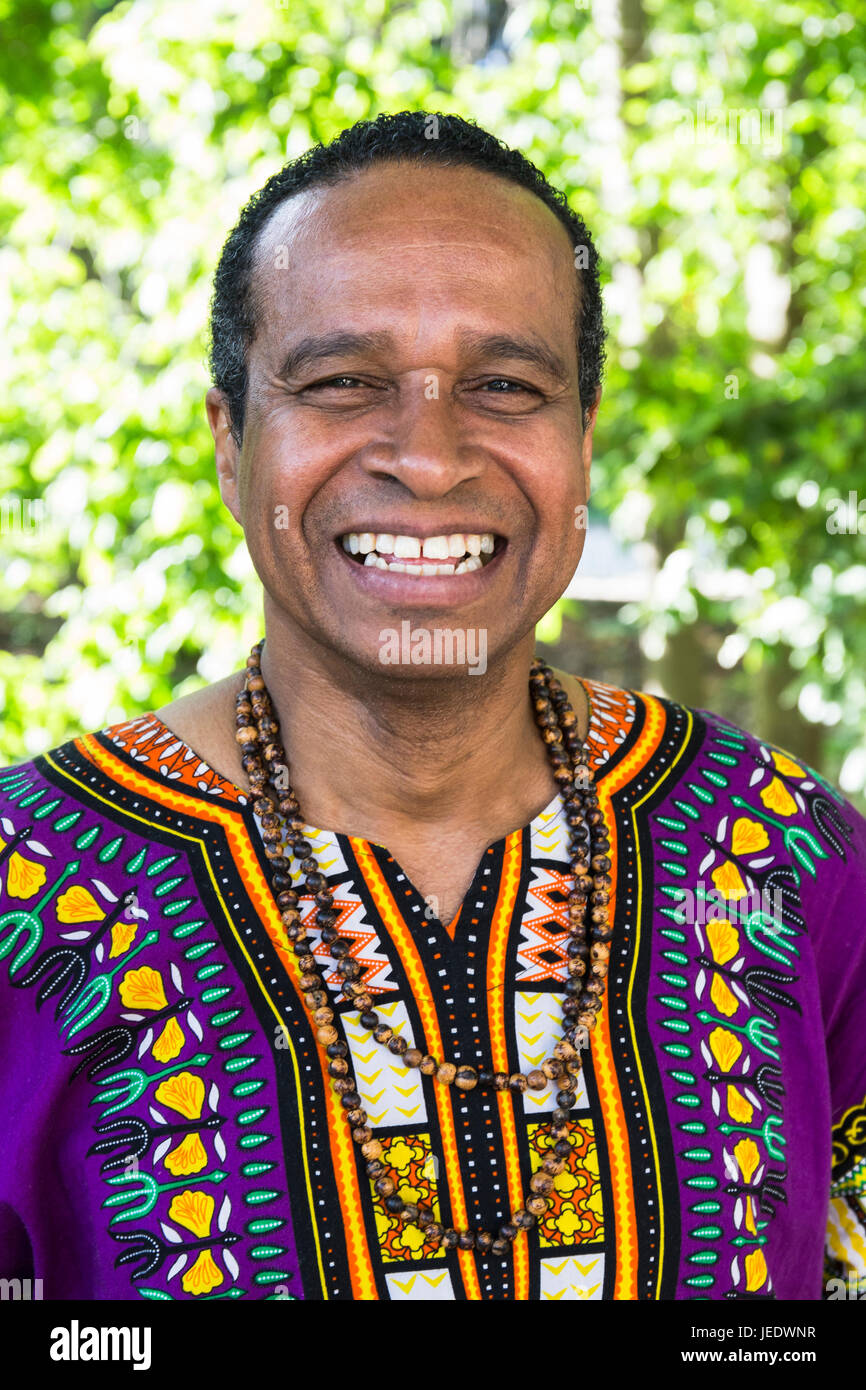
<point>413,378</point>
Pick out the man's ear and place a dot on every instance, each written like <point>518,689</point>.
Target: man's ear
<point>586,444</point>
<point>226,449</point>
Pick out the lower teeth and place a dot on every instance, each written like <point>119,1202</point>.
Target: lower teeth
<point>471,562</point>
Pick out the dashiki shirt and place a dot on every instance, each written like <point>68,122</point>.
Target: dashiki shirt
<point>168,1127</point>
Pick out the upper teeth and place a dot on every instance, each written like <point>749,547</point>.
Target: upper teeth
<point>455,546</point>
<point>459,552</point>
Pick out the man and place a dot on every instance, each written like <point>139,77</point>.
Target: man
<point>591,1001</point>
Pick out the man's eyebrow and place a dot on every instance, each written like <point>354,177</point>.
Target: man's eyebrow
<point>339,344</point>
<point>531,350</point>
<point>317,348</point>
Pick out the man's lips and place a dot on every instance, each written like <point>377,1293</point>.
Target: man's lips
<point>430,555</point>
<point>413,584</point>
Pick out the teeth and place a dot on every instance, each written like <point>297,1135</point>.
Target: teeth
<point>374,561</point>
<point>465,548</point>
<point>436,548</point>
<point>407,547</point>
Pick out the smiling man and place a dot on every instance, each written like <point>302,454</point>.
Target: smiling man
<point>397,965</point>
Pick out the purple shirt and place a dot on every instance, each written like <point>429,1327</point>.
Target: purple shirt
<point>168,1130</point>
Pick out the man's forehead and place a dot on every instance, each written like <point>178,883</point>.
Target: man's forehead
<point>399,234</point>
<point>450,207</point>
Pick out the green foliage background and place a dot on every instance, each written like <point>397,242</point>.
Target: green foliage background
<point>130,136</point>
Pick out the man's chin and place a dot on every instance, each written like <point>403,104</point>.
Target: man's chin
<point>408,649</point>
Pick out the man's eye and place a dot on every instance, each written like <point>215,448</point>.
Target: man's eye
<point>497,383</point>
<point>335,381</point>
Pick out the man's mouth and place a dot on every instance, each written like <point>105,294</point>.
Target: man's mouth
<point>454,553</point>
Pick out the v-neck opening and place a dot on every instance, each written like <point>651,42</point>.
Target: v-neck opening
<point>220,785</point>
<point>469,902</point>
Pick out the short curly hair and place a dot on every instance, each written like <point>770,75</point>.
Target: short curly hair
<point>416,136</point>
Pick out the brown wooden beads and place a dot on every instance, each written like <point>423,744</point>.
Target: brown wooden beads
<point>587,950</point>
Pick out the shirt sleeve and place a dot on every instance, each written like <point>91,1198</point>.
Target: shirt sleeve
<point>839,907</point>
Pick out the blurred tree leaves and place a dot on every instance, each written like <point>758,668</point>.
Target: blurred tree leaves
<point>131,135</point>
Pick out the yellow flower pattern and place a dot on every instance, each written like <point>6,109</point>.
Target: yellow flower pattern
<point>143,989</point>
<point>204,1276</point>
<point>739,1108</point>
<point>756,1270</point>
<point>183,1093</point>
<point>189,1157</point>
<point>78,904</point>
<point>776,797</point>
<point>410,1157</point>
<point>724,941</point>
<point>170,1042</point>
<point>749,846</point>
<point>724,999</point>
<point>747,1156</point>
<point>192,1210</point>
<point>787,766</point>
<point>122,937</point>
<point>729,881</point>
<point>24,878</point>
<point>748,836</point>
<point>725,1047</point>
<point>575,1214</point>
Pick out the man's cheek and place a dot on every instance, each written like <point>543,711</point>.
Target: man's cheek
<point>270,507</point>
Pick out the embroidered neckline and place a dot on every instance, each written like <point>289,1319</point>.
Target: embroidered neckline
<point>162,754</point>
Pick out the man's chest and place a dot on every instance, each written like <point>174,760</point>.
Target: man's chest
<point>209,1141</point>
<point>204,1153</point>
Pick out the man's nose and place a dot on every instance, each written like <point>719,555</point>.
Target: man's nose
<point>424,445</point>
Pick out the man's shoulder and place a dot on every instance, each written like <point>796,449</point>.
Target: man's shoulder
<point>779,820</point>
<point>758,750</point>
<point>629,705</point>
<point>117,756</point>
<point>200,721</point>
<point>711,723</point>
<point>765,781</point>
<point>40,763</point>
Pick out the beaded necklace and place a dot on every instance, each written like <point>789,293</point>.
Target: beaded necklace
<point>587,950</point>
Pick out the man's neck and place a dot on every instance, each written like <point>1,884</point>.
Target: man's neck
<point>386,759</point>
<point>435,770</point>
<point>438,747</point>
